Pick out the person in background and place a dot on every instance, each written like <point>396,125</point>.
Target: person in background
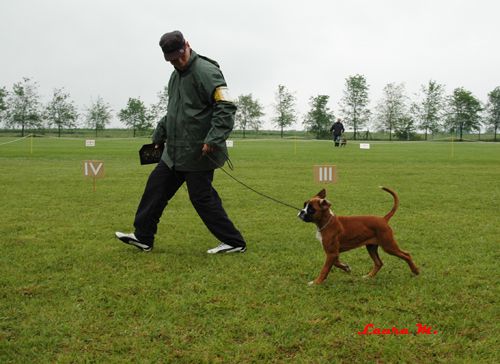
<point>199,119</point>
<point>337,129</point>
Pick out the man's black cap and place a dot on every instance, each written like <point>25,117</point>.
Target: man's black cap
<point>172,45</point>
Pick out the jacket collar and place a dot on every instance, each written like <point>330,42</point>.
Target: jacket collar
<point>192,58</point>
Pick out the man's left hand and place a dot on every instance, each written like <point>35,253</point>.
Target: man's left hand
<point>207,148</point>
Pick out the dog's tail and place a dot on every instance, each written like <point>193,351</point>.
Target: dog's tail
<point>396,203</point>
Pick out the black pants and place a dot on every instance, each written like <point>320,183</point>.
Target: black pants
<point>162,185</point>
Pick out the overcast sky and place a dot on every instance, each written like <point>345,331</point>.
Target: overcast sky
<point>109,48</point>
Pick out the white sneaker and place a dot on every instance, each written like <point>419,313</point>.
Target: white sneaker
<point>132,240</point>
<point>224,248</point>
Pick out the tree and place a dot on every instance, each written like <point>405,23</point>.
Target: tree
<point>405,128</point>
<point>61,111</point>
<point>23,108</point>
<point>158,110</point>
<point>3,103</point>
<point>430,109</point>
<point>98,115</point>
<point>493,110</point>
<point>284,108</point>
<point>319,119</point>
<point>248,113</point>
<point>463,112</point>
<point>135,115</point>
<point>354,103</point>
<point>392,108</point>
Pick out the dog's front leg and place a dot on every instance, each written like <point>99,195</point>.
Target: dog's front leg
<point>345,267</point>
<point>327,267</point>
<point>332,258</point>
<point>334,249</point>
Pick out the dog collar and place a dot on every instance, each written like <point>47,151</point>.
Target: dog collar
<point>324,226</point>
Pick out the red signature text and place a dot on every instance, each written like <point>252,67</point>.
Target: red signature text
<point>370,329</point>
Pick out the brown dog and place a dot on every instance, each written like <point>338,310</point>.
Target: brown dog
<point>342,233</point>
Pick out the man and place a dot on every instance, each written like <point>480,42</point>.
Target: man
<point>199,118</point>
<point>338,130</point>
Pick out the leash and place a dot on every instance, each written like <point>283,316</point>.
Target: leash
<point>231,166</point>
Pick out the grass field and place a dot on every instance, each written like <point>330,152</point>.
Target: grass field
<point>70,292</point>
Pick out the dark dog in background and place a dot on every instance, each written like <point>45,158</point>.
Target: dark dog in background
<point>342,233</point>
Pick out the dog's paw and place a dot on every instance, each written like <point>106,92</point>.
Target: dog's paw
<point>311,283</point>
<point>367,276</point>
<point>347,268</point>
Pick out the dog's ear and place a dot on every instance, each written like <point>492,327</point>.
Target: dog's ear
<point>325,204</point>
<point>322,193</point>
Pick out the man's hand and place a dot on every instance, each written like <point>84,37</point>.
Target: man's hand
<point>207,148</point>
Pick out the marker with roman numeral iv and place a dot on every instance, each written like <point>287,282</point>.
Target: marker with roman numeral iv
<point>94,169</point>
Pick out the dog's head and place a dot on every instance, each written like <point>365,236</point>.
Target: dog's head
<point>315,207</point>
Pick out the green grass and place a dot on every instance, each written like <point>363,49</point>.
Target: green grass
<point>70,292</point>
<point>249,134</point>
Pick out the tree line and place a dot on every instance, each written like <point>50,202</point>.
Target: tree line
<point>430,111</point>
<point>22,109</point>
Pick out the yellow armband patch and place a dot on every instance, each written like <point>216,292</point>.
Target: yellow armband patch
<point>222,94</point>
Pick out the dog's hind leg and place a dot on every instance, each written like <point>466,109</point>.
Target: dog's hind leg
<point>393,249</point>
<point>373,251</point>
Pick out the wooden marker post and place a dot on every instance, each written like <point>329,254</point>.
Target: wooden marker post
<point>94,169</point>
<point>325,174</point>
<point>452,147</point>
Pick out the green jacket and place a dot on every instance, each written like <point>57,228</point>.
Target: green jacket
<point>199,112</point>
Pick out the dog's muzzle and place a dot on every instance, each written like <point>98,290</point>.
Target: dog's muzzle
<point>304,215</point>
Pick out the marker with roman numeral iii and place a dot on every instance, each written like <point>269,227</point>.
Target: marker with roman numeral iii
<point>325,174</point>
